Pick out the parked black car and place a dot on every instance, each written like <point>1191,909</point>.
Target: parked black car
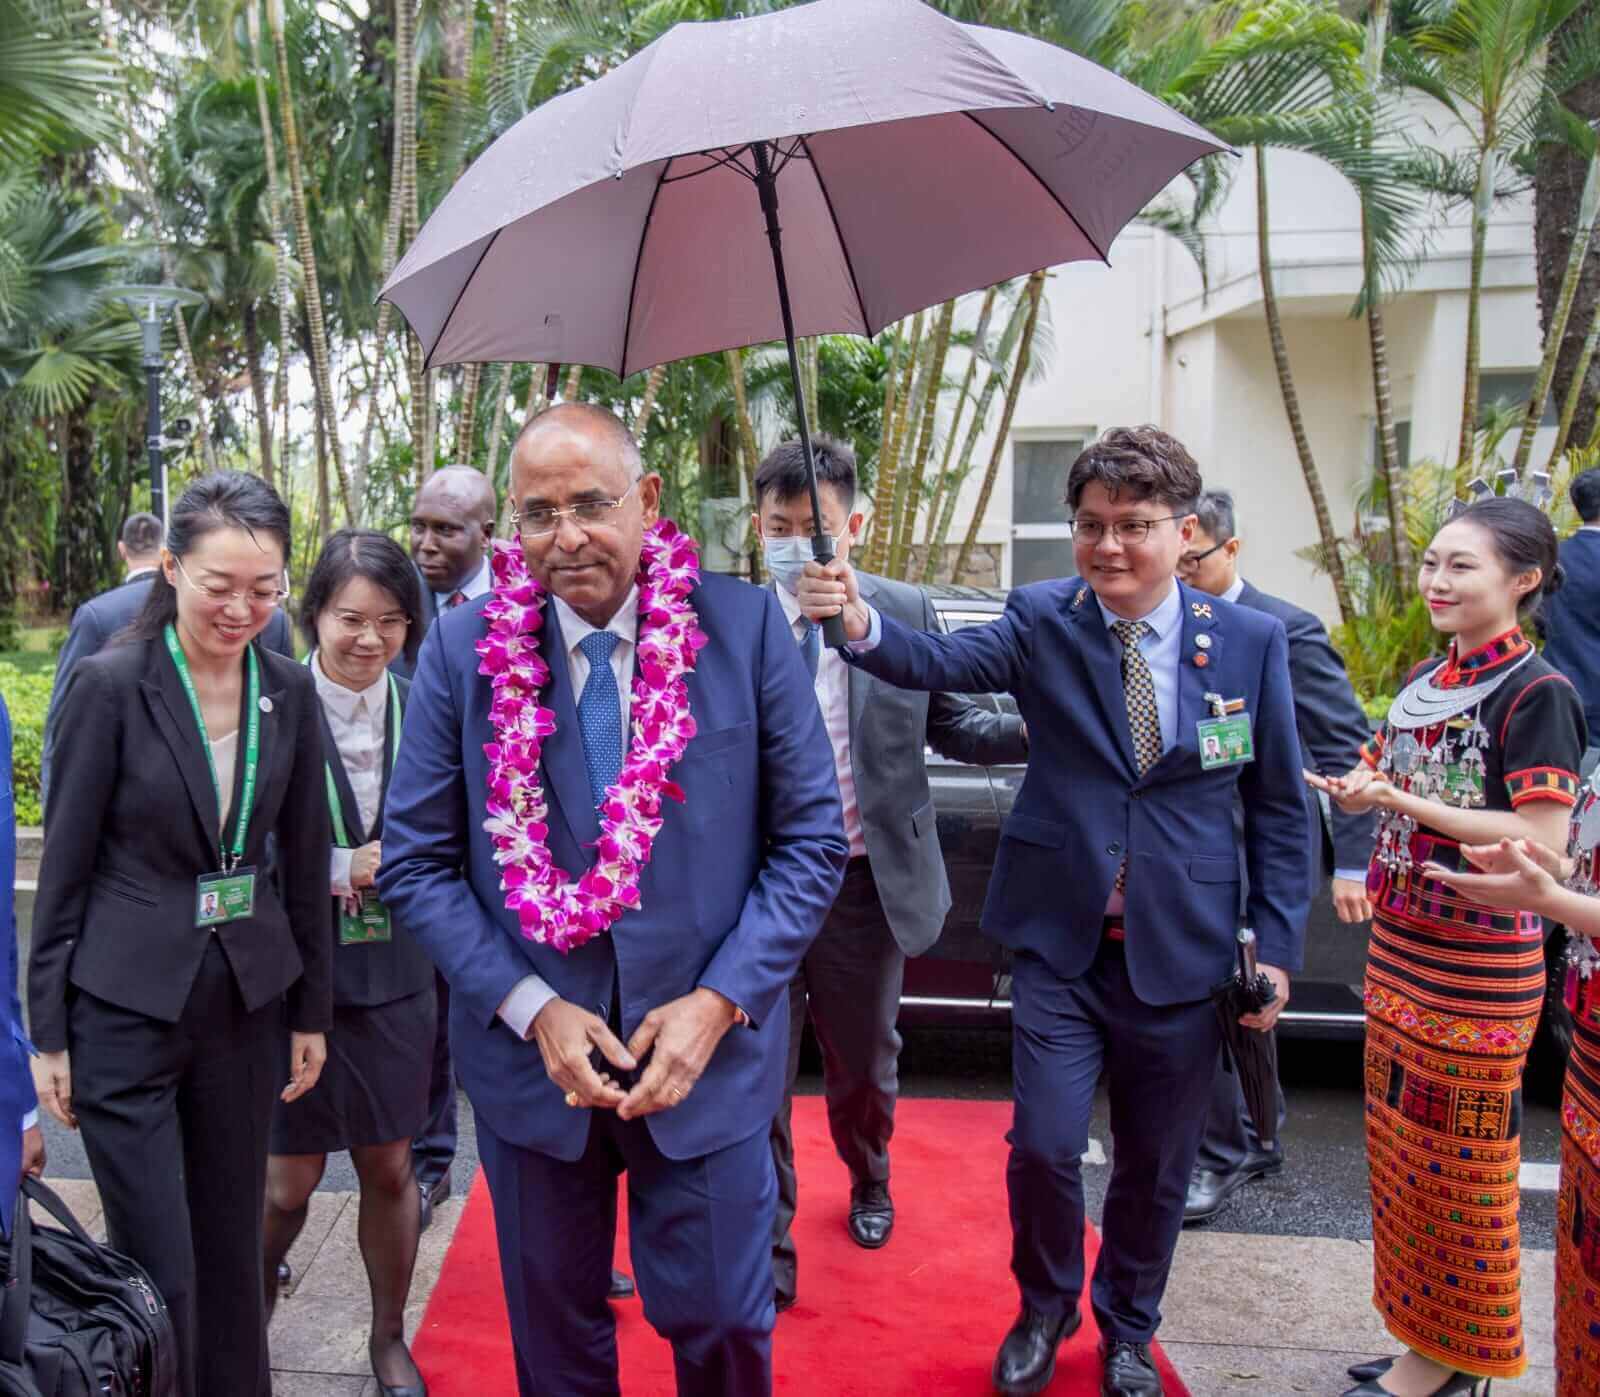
<point>964,977</point>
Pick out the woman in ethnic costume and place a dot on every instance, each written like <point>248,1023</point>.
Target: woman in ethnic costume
<point>1480,746</point>
<point>1524,874</point>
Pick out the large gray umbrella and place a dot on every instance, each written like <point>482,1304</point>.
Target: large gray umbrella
<point>636,220</point>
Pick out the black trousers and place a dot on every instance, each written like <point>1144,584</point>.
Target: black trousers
<point>850,982</point>
<point>175,1120</point>
<point>1158,1062</point>
<point>698,1233</point>
<point>434,1149</point>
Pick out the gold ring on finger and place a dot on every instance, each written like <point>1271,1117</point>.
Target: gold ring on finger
<point>571,1098</point>
<point>676,1093</point>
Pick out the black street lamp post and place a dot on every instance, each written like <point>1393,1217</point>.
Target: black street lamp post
<point>150,305</point>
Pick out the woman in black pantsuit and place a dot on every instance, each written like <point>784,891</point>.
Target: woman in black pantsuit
<point>362,607</point>
<point>166,954</point>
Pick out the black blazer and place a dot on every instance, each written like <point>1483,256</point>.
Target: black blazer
<point>1571,621</point>
<point>134,823</point>
<point>1331,725</point>
<point>93,625</point>
<point>374,972</point>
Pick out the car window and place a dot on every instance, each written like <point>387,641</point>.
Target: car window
<point>958,617</point>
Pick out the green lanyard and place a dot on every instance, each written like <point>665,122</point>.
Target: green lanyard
<point>341,836</point>
<point>252,745</point>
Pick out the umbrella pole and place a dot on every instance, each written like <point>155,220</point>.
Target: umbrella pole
<point>821,543</point>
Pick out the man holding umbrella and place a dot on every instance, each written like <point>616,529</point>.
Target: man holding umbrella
<point>1117,881</point>
<point>619,934</point>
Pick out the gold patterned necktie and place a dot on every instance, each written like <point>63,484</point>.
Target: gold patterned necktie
<point>1139,693</point>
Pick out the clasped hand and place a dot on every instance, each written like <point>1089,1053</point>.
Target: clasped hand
<point>678,1039</point>
<point>1514,873</point>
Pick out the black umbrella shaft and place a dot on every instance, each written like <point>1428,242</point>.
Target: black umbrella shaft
<point>821,542</point>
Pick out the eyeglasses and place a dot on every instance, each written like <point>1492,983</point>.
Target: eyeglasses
<point>1193,560</point>
<point>1125,531</point>
<point>586,514</point>
<point>352,624</point>
<point>221,596</point>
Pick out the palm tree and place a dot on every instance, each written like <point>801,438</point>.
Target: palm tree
<point>1485,60</point>
<point>55,79</point>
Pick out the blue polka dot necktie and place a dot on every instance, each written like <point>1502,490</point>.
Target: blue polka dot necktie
<point>600,714</point>
<point>1139,693</point>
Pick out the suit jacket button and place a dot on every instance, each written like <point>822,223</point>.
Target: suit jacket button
<point>1113,848</point>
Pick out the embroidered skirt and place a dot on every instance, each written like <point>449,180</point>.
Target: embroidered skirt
<point>1578,1212</point>
<point>1453,994</point>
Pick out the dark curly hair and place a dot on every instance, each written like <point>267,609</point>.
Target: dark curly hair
<point>1145,461</point>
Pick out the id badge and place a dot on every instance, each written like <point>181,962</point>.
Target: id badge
<point>224,897</point>
<point>1463,785</point>
<point>1226,742</point>
<point>368,925</point>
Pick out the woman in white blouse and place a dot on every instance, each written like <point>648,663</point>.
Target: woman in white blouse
<point>362,608</point>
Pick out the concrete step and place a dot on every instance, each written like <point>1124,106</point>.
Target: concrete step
<point>30,844</point>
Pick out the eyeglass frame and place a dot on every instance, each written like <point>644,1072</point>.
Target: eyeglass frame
<point>395,618</point>
<point>1116,524</point>
<point>571,512</point>
<point>1193,560</point>
<point>246,596</point>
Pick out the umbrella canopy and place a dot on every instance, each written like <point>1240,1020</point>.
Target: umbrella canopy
<point>1252,1054</point>
<point>915,159</point>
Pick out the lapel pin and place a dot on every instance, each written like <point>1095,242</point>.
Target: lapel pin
<point>265,704</point>
<point>1083,596</point>
<point>1203,641</point>
<point>1202,660</point>
<point>1202,609</point>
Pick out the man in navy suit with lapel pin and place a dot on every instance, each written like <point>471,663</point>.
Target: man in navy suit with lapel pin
<point>1117,881</point>
<point>658,1047</point>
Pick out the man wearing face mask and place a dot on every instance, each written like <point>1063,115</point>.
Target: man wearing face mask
<point>895,894</point>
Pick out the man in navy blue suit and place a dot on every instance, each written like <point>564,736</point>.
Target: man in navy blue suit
<point>21,1143</point>
<point>658,1049</point>
<point>1571,616</point>
<point>1150,710</point>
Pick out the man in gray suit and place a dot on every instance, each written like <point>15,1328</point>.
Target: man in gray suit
<point>895,894</point>
<point>101,617</point>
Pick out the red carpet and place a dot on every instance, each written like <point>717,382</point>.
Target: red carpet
<point>921,1318</point>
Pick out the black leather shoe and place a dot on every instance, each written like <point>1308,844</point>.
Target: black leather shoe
<point>871,1215</point>
<point>1366,1372</point>
<point>1127,1371</point>
<point>621,1286</point>
<point>434,1192</point>
<point>1457,1385</point>
<point>782,1302</point>
<point>1209,1191</point>
<point>1027,1358</point>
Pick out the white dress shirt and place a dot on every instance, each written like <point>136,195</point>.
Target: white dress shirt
<point>224,759</point>
<point>359,722</point>
<point>530,994</point>
<point>1235,590</point>
<point>833,697</point>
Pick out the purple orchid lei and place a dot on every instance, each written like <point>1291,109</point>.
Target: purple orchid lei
<point>551,908</point>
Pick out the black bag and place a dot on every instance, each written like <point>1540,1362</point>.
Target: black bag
<point>78,1319</point>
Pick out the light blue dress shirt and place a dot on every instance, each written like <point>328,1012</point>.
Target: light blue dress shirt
<point>1162,650</point>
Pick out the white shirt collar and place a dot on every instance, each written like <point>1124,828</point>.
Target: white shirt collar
<point>346,703</point>
<point>1167,615</point>
<point>1589,528</point>
<point>789,602</point>
<point>624,624</point>
<point>1236,590</point>
<point>134,574</point>
<point>474,586</point>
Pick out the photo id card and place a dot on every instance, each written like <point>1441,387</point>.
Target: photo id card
<point>368,925</point>
<point>1226,742</point>
<point>224,897</point>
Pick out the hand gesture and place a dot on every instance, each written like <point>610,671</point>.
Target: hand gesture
<point>307,1053</point>
<point>1350,903</point>
<point>829,589</point>
<point>52,1081</point>
<point>364,864</point>
<point>566,1035</point>
<point>33,1152</point>
<point>1516,873</point>
<point>1356,792</point>
<point>680,1037</point>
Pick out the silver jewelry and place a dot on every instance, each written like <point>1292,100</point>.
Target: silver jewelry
<point>1423,704</point>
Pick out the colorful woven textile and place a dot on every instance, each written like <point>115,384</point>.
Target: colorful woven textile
<point>1453,995</point>
<point>1578,1217</point>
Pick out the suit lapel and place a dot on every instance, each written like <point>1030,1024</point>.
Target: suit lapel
<point>271,717</point>
<point>859,680</point>
<point>1102,663</point>
<point>1201,638</point>
<point>566,774</point>
<point>173,717</point>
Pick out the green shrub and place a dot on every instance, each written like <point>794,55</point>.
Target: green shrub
<point>27,696</point>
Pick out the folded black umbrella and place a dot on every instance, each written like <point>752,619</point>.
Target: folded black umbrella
<point>1248,1052</point>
